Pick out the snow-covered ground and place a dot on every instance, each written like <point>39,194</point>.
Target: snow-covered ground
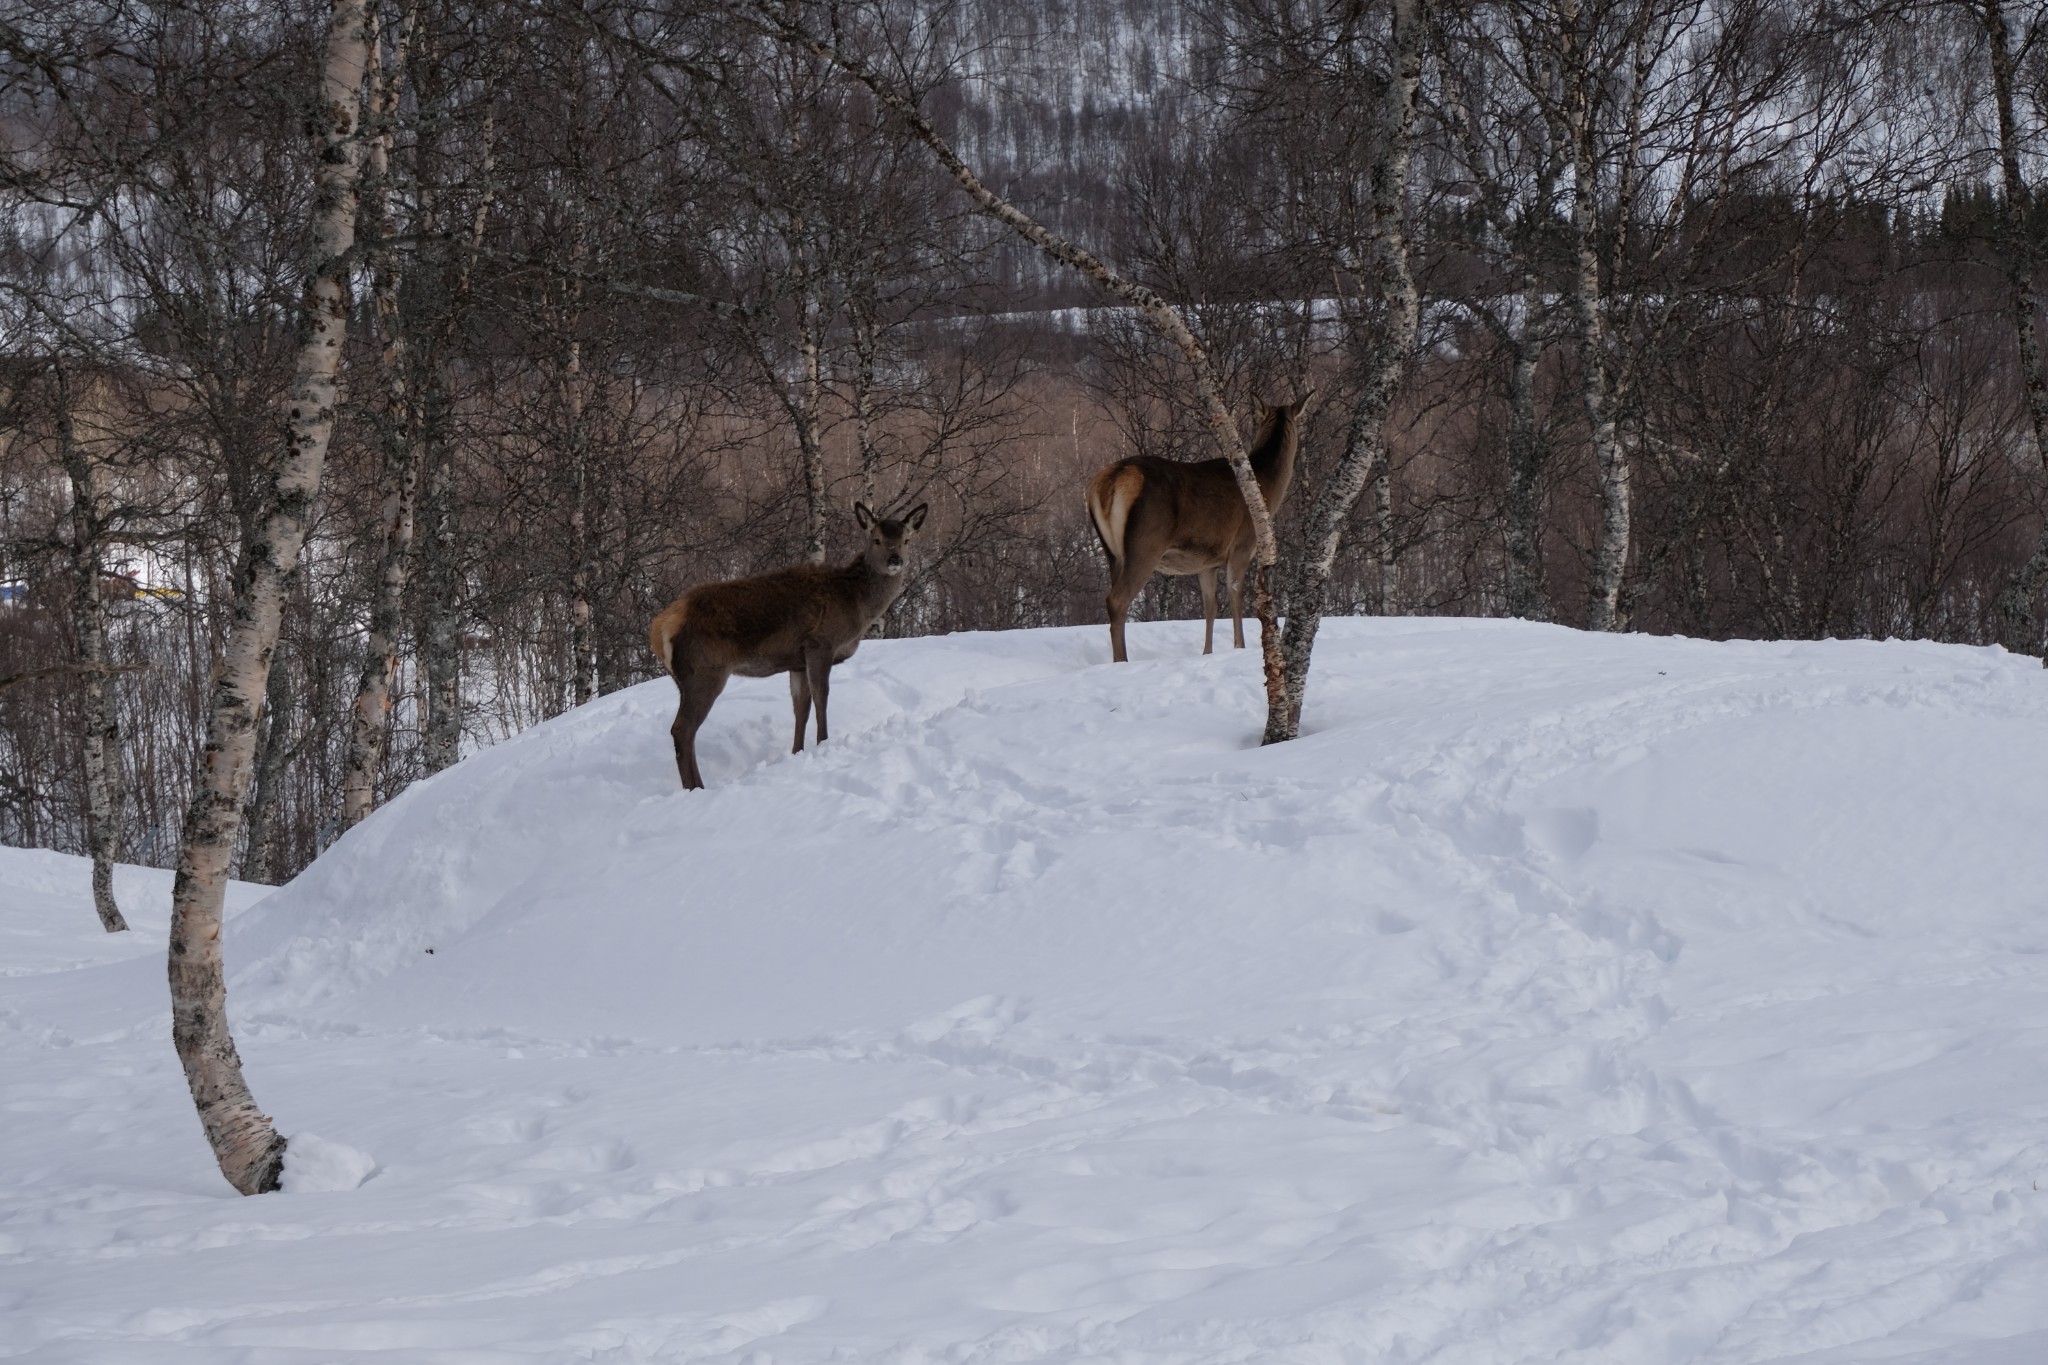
<point>1555,998</point>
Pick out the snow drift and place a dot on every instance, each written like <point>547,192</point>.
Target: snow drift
<point>1555,997</point>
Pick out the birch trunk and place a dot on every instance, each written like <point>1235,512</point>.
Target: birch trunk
<point>2018,624</point>
<point>866,339</point>
<point>104,793</point>
<point>809,442</point>
<point>1365,452</point>
<point>249,1150</point>
<point>1164,318</point>
<point>1525,468</point>
<point>259,859</point>
<point>583,673</point>
<point>370,715</point>
<point>440,565</point>
<point>1587,310</point>
<point>441,589</point>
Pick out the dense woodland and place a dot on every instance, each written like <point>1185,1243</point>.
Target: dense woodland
<point>1717,318</point>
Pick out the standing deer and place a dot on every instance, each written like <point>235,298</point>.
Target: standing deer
<point>800,620</point>
<point>1187,517</point>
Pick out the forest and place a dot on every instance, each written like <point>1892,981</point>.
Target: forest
<point>1705,317</point>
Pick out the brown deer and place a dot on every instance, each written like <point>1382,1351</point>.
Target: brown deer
<point>1187,517</point>
<point>800,620</point>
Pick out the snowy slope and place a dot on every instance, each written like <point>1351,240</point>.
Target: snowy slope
<point>1555,998</point>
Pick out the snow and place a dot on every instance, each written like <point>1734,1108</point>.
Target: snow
<point>1554,998</point>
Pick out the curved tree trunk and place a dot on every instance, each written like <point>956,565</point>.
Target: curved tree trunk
<point>249,1150</point>
<point>1365,453</point>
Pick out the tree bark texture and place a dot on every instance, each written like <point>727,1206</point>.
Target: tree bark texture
<point>1365,450</point>
<point>104,792</point>
<point>370,715</point>
<point>248,1148</point>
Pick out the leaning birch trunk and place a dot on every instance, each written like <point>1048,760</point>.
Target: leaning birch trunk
<point>2018,625</point>
<point>1365,451</point>
<point>249,1150</point>
<point>1162,315</point>
<point>370,715</point>
<point>103,789</point>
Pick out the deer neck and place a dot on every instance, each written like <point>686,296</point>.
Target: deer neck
<point>874,590</point>
<point>1273,462</point>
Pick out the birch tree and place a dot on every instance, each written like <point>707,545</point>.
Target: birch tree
<point>2006,42</point>
<point>248,1148</point>
<point>90,522</point>
<point>370,715</point>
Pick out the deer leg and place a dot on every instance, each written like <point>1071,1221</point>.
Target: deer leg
<point>818,664</point>
<point>1237,569</point>
<point>1128,576</point>
<point>700,688</point>
<point>800,699</point>
<point>1207,579</point>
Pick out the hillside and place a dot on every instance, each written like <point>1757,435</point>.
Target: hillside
<point>1554,998</point>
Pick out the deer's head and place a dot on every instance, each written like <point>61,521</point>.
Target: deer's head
<point>888,537</point>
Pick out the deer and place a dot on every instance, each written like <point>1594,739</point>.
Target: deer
<point>1188,517</point>
<point>799,620</point>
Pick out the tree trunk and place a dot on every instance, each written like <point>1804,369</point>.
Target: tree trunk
<point>583,670</point>
<point>259,859</point>
<point>2018,623</point>
<point>370,716</point>
<point>1365,454</point>
<point>1526,454</point>
<point>1589,326</point>
<point>810,443</point>
<point>104,792</point>
<point>249,1150</point>
<point>441,589</point>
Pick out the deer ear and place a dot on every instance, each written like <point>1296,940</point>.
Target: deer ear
<point>1306,402</point>
<point>862,515</point>
<point>916,517</point>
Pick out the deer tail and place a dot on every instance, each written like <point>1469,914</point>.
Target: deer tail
<point>1110,495</point>
<point>661,634</point>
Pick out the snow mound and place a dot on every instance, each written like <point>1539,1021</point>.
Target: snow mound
<point>313,1165</point>
<point>1554,997</point>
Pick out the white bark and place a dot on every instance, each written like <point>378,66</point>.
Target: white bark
<point>1365,454</point>
<point>102,749</point>
<point>249,1150</point>
<point>1587,310</point>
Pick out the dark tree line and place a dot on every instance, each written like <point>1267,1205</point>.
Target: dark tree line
<point>1717,318</point>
